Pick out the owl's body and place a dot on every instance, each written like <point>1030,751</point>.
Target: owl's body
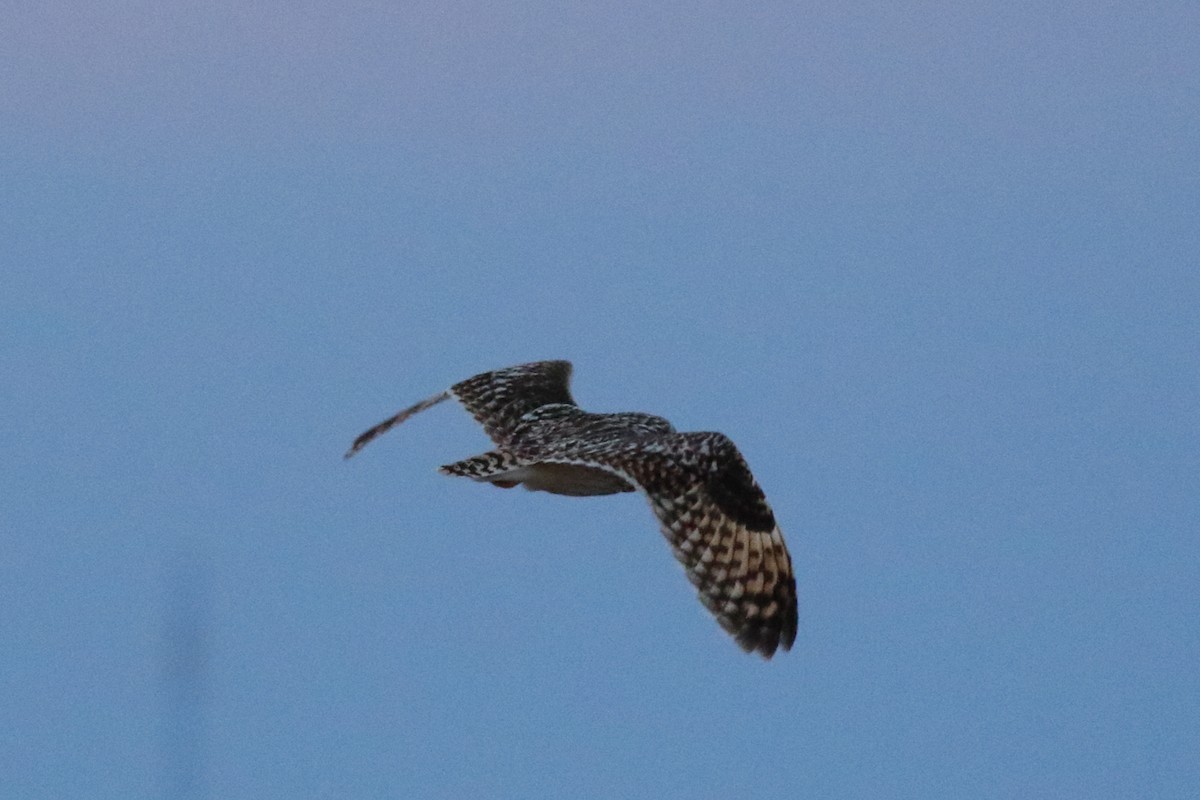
<point>709,507</point>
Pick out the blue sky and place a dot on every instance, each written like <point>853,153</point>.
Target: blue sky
<point>933,267</point>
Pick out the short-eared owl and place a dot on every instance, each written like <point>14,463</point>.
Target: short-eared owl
<point>708,505</point>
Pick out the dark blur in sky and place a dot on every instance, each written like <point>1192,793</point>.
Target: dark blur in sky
<point>932,265</point>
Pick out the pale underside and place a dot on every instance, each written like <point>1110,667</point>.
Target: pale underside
<point>572,480</point>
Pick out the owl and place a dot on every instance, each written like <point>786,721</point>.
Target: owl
<point>708,505</point>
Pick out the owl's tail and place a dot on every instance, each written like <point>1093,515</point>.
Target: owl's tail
<point>502,469</point>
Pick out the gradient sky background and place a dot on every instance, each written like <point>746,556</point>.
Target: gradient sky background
<point>932,265</point>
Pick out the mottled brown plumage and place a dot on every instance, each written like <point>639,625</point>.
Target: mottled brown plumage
<point>709,507</point>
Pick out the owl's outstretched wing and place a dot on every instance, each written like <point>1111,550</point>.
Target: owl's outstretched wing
<point>718,524</point>
<point>496,399</point>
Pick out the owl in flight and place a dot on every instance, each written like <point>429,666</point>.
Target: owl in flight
<point>708,505</point>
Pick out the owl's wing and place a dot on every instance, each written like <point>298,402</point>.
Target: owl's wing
<point>718,524</point>
<point>497,399</point>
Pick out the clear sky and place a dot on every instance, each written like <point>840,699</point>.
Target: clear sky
<point>933,266</point>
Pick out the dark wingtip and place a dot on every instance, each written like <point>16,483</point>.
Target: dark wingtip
<point>359,444</point>
<point>761,640</point>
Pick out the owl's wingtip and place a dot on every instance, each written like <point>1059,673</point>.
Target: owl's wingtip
<point>358,444</point>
